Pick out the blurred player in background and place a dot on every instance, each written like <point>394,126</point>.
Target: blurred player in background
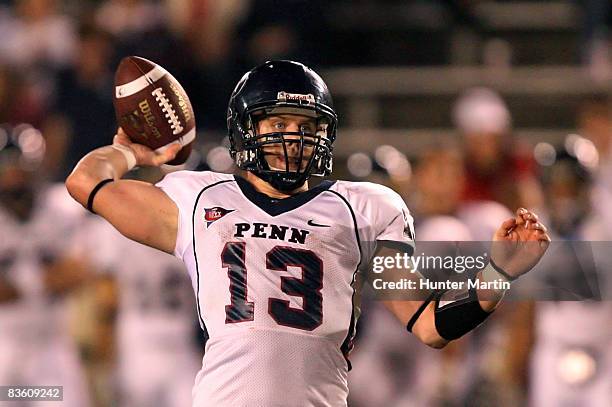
<point>36,223</point>
<point>573,349</point>
<point>274,262</point>
<point>495,168</point>
<point>595,124</point>
<point>155,332</point>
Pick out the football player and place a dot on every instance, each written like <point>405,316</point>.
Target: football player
<point>275,262</point>
<point>576,362</point>
<point>36,278</point>
<point>157,352</point>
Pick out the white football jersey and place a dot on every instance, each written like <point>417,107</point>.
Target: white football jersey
<point>574,338</point>
<point>157,352</point>
<point>155,301</point>
<point>275,283</point>
<point>35,343</point>
<point>25,249</point>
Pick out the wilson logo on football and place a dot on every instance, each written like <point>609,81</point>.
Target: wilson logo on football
<point>214,214</point>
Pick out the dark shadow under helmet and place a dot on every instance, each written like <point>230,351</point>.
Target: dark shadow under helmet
<point>281,87</point>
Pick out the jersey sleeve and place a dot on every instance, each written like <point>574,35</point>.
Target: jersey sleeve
<point>385,212</point>
<point>391,218</point>
<point>183,188</point>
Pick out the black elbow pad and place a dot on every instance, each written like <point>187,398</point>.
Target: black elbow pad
<point>459,317</point>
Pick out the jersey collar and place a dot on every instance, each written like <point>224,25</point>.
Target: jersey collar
<point>276,206</point>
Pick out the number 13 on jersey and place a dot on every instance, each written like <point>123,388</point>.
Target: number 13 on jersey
<point>279,258</point>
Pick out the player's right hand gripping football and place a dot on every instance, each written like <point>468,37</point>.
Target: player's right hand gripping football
<point>144,155</point>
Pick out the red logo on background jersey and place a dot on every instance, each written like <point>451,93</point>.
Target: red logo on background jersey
<point>214,214</point>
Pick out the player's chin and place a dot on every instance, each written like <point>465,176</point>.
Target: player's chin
<point>283,168</point>
<point>277,163</point>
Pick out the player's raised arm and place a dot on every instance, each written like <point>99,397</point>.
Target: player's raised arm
<point>139,210</point>
<point>518,245</point>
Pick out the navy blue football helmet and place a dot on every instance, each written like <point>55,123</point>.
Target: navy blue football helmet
<point>276,88</point>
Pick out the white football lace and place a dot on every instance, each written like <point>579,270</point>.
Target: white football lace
<point>166,107</point>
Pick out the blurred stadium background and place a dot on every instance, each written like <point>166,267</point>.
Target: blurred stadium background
<point>468,108</point>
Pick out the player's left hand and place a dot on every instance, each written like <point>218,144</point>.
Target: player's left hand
<point>519,243</point>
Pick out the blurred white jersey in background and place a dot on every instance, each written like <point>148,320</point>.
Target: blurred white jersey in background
<point>36,347</point>
<point>156,323</point>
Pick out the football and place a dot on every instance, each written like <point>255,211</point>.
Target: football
<point>152,107</point>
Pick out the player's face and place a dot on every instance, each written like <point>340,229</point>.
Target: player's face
<point>568,197</point>
<point>16,192</point>
<point>275,153</point>
<point>484,149</point>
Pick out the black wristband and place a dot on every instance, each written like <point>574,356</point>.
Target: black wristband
<point>93,193</point>
<point>501,271</point>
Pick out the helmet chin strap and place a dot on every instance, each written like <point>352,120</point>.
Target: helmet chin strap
<point>280,182</point>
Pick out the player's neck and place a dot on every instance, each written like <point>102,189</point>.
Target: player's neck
<point>267,189</point>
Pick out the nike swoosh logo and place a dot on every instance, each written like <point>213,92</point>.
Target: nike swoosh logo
<point>312,223</point>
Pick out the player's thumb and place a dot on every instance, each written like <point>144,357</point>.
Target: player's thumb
<point>168,154</point>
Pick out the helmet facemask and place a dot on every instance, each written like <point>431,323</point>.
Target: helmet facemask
<point>278,88</point>
<point>282,158</point>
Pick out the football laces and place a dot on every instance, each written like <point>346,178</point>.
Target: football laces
<point>169,112</point>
